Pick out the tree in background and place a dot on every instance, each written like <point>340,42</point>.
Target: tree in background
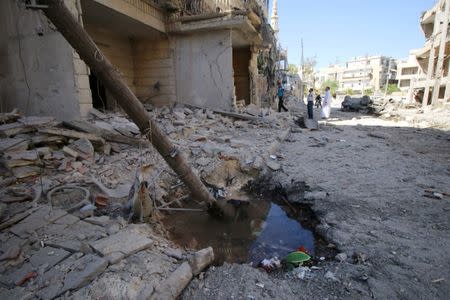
<point>308,73</point>
<point>368,92</point>
<point>308,67</point>
<point>292,69</point>
<point>392,88</point>
<point>349,92</point>
<point>333,84</point>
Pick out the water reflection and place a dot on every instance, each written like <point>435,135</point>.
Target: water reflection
<point>260,230</point>
<point>279,236</point>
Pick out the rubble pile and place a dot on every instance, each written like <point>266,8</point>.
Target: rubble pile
<point>64,186</point>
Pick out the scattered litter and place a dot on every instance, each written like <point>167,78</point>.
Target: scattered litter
<point>302,272</point>
<point>101,200</point>
<point>25,278</point>
<point>438,280</point>
<point>297,258</point>
<point>270,264</point>
<point>260,285</point>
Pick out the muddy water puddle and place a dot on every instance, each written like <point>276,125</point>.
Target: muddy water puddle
<point>260,229</point>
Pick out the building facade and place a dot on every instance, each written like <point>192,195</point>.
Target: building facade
<point>367,73</point>
<point>359,74</point>
<point>409,74</point>
<point>434,56</point>
<point>204,53</point>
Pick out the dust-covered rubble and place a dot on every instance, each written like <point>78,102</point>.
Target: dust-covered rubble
<point>64,187</point>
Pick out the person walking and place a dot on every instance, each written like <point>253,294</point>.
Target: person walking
<point>310,101</point>
<point>326,107</point>
<point>280,97</point>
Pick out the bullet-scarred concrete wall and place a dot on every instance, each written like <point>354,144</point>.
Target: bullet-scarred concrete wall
<point>39,71</point>
<point>204,71</point>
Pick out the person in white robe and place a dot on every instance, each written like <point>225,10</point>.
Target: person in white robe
<point>326,105</point>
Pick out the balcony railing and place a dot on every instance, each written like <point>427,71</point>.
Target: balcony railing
<point>196,7</point>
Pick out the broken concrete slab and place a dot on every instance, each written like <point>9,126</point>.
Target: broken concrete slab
<point>201,259</point>
<point>48,256</point>
<point>70,152</point>
<point>274,166</point>
<point>175,253</point>
<point>95,139</point>
<point>36,121</point>
<point>26,171</point>
<point>126,242</point>
<point>84,147</point>
<point>253,110</point>
<point>172,287</point>
<point>83,272</point>
<point>15,219</point>
<point>100,221</point>
<point>43,216</point>
<point>14,144</point>
<point>68,219</point>
<point>11,129</point>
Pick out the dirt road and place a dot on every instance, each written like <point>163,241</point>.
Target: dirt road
<point>396,240</point>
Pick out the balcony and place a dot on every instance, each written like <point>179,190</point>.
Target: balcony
<point>200,7</point>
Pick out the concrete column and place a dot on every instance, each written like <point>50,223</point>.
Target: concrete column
<point>430,70</point>
<point>253,73</point>
<point>447,86</point>
<point>442,42</point>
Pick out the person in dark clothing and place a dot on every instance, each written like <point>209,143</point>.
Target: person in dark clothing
<point>310,101</point>
<point>318,101</point>
<point>280,97</point>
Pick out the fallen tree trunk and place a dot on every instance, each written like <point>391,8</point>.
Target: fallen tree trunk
<point>74,33</point>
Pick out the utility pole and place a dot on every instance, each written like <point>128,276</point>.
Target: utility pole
<point>440,61</point>
<point>388,75</point>
<point>364,75</point>
<point>302,60</point>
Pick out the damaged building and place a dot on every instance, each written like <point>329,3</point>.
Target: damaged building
<point>206,53</point>
<point>433,58</point>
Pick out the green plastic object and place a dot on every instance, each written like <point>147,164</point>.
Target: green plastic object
<point>297,257</point>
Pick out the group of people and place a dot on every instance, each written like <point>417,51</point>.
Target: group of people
<point>326,105</point>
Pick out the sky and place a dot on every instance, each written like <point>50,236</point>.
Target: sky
<point>337,30</point>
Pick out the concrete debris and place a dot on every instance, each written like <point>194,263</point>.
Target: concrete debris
<point>341,257</point>
<point>70,244</point>
<point>201,259</point>
<point>172,287</point>
<point>125,242</point>
<point>84,271</point>
<point>274,166</point>
<point>175,253</point>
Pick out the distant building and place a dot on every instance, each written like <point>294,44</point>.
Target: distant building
<point>332,72</point>
<point>360,73</point>
<point>409,73</point>
<point>367,73</point>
